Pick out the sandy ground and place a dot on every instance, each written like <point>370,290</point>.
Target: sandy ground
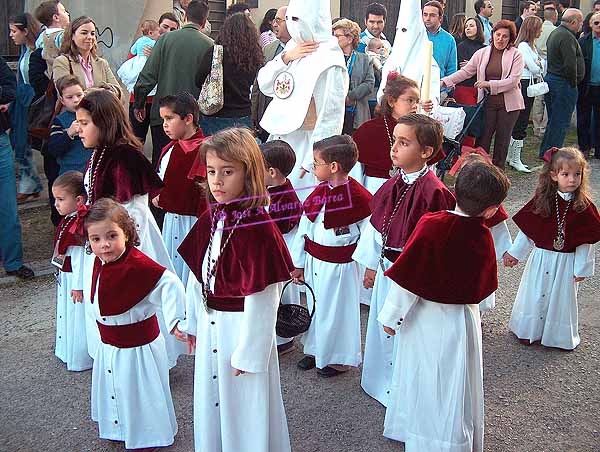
<point>537,399</point>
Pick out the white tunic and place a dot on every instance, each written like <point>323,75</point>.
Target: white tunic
<point>243,413</point>
<point>436,400</point>
<point>546,305</point>
<point>175,228</point>
<point>71,340</point>
<point>131,397</point>
<point>334,334</point>
<point>502,243</point>
<point>151,244</point>
<point>371,183</point>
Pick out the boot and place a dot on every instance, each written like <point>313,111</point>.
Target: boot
<point>511,151</point>
<point>515,160</point>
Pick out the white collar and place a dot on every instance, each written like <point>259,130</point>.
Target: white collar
<point>410,178</point>
<point>565,196</point>
<point>460,214</point>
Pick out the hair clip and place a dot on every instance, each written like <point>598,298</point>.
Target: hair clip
<point>392,75</point>
<point>549,153</point>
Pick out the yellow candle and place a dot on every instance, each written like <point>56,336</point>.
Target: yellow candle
<point>426,86</point>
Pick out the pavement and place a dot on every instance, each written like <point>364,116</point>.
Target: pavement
<point>537,399</point>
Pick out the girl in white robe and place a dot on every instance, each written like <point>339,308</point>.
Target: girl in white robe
<point>561,225</point>
<point>131,397</point>
<point>238,260</point>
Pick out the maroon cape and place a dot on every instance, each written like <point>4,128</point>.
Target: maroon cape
<point>255,257</point>
<point>67,238</point>
<point>580,228</point>
<point>500,216</point>
<point>123,173</point>
<point>182,195</point>
<point>345,204</point>
<point>449,259</point>
<point>427,194</point>
<point>125,282</point>
<point>285,208</point>
<point>374,148</point>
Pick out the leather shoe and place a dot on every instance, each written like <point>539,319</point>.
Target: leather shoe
<point>307,363</point>
<point>23,273</point>
<point>328,371</point>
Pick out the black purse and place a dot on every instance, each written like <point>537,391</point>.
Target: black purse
<point>42,112</point>
<point>293,319</point>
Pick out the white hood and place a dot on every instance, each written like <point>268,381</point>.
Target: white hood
<point>309,20</point>
<point>408,55</point>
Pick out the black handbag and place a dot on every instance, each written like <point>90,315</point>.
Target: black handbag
<point>41,113</point>
<point>293,319</point>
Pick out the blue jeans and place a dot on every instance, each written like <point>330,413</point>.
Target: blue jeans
<point>212,124</point>
<point>11,249</point>
<point>560,103</point>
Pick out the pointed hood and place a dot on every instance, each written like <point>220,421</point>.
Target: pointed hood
<point>309,20</point>
<point>409,51</point>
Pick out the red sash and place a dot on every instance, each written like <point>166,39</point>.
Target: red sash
<point>132,335</point>
<point>333,254</point>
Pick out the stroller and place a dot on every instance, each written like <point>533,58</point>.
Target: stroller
<point>473,126</point>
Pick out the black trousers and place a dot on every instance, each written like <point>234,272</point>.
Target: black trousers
<point>140,128</point>
<point>588,120</point>
<point>520,129</point>
<point>159,141</point>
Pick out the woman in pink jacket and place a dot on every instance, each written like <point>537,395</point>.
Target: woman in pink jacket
<point>498,68</point>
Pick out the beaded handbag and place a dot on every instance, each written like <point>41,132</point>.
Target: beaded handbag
<point>293,319</point>
<point>210,100</point>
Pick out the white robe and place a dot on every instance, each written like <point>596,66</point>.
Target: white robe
<point>371,183</point>
<point>330,85</point>
<point>151,245</point>
<point>436,400</point>
<point>378,360</point>
<point>502,243</point>
<point>334,334</point>
<point>131,397</point>
<point>546,305</point>
<point>175,228</point>
<point>71,340</point>
<point>243,413</point>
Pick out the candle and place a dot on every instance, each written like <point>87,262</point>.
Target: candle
<point>426,86</point>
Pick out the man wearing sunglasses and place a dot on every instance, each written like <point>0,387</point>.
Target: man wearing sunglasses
<point>588,102</point>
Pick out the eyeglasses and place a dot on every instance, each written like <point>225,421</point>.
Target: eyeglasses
<point>278,20</point>
<point>410,100</point>
<point>596,22</point>
<point>314,165</point>
<point>340,35</point>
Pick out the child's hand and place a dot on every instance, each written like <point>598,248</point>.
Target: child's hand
<point>237,372</point>
<point>369,278</point>
<point>427,106</point>
<point>298,276</point>
<point>77,296</point>
<point>389,330</point>
<point>509,261</point>
<point>73,129</point>
<point>155,202</point>
<point>191,342</point>
<point>182,337</point>
<point>579,278</point>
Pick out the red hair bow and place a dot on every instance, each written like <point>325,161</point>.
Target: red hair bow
<point>549,153</point>
<point>392,75</point>
<point>78,226</point>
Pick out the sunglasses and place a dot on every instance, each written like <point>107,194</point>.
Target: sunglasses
<point>596,22</point>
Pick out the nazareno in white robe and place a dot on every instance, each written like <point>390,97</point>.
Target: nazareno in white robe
<point>243,413</point>
<point>175,228</point>
<point>436,401</point>
<point>152,245</point>
<point>131,397</point>
<point>546,305</point>
<point>71,340</point>
<point>334,335</point>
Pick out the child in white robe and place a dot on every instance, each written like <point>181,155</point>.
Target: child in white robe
<point>561,225</point>
<point>71,341</point>
<point>436,401</point>
<point>336,213</point>
<point>238,261</point>
<point>131,397</point>
<point>182,198</point>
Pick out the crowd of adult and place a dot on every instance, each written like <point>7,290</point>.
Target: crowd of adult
<point>478,60</point>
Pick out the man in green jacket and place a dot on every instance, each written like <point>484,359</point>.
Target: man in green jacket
<point>566,69</point>
<point>171,67</point>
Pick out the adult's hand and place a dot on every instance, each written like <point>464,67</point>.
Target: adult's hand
<point>140,114</point>
<point>300,51</point>
<point>484,84</point>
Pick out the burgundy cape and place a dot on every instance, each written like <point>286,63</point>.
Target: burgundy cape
<point>500,216</point>
<point>255,257</point>
<point>374,148</point>
<point>182,195</point>
<point>125,282</point>
<point>449,259</point>
<point>285,208</point>
<point>67,238</point>
<point>427,194</point>
<point>580,228</point>
<point>124,172</point>
<point>345,204</point>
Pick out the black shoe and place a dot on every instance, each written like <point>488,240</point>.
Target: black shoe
<point>307,363</point>
<point>286,348</point>
<point>328,372</point>
<point>22,273</point>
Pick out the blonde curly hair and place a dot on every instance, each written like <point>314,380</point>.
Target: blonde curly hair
<point>350,28</point>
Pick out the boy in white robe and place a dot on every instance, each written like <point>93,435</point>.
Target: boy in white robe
<point>447,267</point>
